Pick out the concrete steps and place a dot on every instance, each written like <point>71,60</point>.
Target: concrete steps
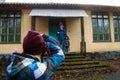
<point>77,63</point>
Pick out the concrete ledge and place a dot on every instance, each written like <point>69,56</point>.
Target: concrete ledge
<point>105,55</point>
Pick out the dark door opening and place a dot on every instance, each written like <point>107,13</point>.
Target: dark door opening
<point>54,26</point>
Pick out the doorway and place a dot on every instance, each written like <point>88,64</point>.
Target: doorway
<point>54,26</point>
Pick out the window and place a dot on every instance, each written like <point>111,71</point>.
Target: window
<point>10,26</point>
<point>116,19</point>
<point>101,29</point>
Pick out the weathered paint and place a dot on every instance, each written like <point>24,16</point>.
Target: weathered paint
<point>74,32</point>
<point>73,26</point>
<point>25,27</point>
<point>42,25</point>
<point>99,46</point>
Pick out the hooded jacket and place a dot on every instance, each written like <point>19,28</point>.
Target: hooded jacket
<point>28,67</point>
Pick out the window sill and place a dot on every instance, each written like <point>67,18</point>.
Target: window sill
<point>102,41</point>
<point>117,41</point>
<point>10,43</point>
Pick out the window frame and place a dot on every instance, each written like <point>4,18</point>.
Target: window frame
<point>117,18</point>
<point>101,16</point>
<point>10,15</point>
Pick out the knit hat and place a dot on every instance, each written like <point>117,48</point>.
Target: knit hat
<point>60,23</point>
<point>33,43</point>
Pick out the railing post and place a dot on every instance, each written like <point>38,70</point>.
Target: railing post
<point>82,43</point>
<point>33,25</point>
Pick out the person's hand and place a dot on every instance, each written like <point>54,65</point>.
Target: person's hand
<point>15,50</point>
<point>58,32</point>
<point>41,34</point>
<point>47,53</point>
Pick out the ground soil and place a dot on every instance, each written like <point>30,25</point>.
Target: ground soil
<point>116,65</point>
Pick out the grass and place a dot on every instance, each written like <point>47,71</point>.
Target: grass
<point>94,77</point>
<point>103,77</point>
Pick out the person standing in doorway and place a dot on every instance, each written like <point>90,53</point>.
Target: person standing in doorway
<point>61,34</point>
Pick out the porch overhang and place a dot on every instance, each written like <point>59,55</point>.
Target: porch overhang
<point>58,12</point>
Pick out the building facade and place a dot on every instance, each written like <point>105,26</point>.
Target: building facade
<point>97,28</point>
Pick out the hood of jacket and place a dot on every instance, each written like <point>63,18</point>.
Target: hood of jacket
<point>19,62</point>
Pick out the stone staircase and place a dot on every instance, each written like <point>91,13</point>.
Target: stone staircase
<point>76,65</point>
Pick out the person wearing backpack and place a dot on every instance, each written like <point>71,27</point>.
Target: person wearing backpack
<point>66,44</point>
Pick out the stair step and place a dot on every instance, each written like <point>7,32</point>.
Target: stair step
<point>75,60</point>
<point>76,67</point>
<point>73,53</point>
<point>72,57</point>
<point>82,70</point>
<point>79,63</point>
<point>76,74</point>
